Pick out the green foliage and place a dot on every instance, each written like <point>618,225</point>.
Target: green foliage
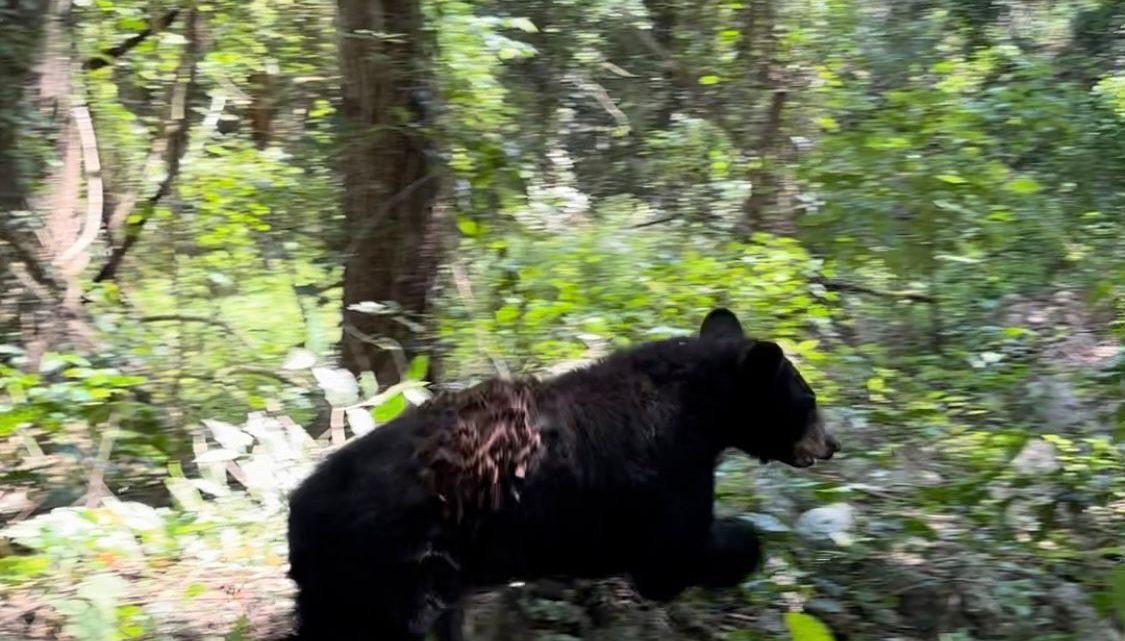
<point>938,243</point>
<point>1117,592</point>
<point>66,388</point>
<point>95,613</point>
<point>805,627</point>
<point>577,292</point>
<point>944,173</point>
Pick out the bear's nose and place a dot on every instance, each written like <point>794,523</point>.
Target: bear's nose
<point>832,444</point>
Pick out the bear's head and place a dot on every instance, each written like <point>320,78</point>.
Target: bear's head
<point>786,425</point>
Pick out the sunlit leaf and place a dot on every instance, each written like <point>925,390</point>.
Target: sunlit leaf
<point>507,314</point>
<point>217,455</point>
<point>419,365</point>
<point>339,385</point>
<point>805,627</point>
<point>468,226</point>
<point>952,179</point>
<point>228,436</point>
<point>369,307</point>
<point>299,359</point>
<point>360,420</point>
<point>389,409</point>
<point>417,395</point>
<point>1023,185</point>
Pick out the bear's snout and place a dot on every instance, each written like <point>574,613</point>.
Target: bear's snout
<point>817,444</point>
<point>832,445</point>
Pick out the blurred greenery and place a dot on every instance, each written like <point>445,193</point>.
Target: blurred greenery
<point>922,201</point>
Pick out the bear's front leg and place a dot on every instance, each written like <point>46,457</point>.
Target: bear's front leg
<point>673,542</point>
<point>730,553</point>
<point>733,553</point>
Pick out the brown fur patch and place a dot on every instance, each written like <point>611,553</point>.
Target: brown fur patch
<point>475,461</point>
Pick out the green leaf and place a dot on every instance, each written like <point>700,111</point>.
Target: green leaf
<point>523,24</point>
<point>468,226</point>
<point>16,568</point>
<point>507,314</point>
<point>828,123</point>
<point>360,420</point>
<point>709,80</point>
<point>419,365</point>
<point>952,179</point>
<point>1023,186</point>
<point>806,345</point>
<point>386,411</point>
<point>368,384</point>
<point>1117,592</point>
<point>805,627</point>
<point>241,630</point>
<point>194,589</point>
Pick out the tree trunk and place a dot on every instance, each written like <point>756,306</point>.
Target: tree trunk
<point>47,246</point>
<point>390,183</point>
<point>762,209</point>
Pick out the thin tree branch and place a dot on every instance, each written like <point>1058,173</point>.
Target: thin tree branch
<point>35,269</point>
<point>29,282</point>
<point>107,56</point>
<point>840,286</point>
<point>656,221</point>
<point>263,372</point>
<point>188,318</point>
<point>465,291</point>
<point>94,193</point>
<point>121,210</point>
<point>178,128</point>
<point>686,78</point>
<point>601,95</point>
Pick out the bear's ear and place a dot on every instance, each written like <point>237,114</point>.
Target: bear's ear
<point>764,361</point>
<point>721,323</point>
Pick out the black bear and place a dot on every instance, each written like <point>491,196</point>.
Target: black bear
<point>603,471</point>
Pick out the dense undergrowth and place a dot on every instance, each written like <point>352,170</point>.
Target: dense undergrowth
<point>981,493</point>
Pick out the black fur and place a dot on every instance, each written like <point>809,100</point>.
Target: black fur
<point>622,484</point>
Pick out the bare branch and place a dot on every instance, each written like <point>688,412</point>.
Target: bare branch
<point>41,273</point>
<point>188,318</point>
<point>178,129</point>
<point>94,193</point>
<point>29,282</point>
<point>601,95</point>
<point>656,221</point>
<point>121,210</point>
<point>282,377</point>
<point>465,291</point>
<point>840,286</point>
<point>107,56</point>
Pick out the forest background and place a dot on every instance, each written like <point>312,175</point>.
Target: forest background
<point>235,234</point>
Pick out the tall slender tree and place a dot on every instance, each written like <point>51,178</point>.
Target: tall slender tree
<point>390,183</point>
